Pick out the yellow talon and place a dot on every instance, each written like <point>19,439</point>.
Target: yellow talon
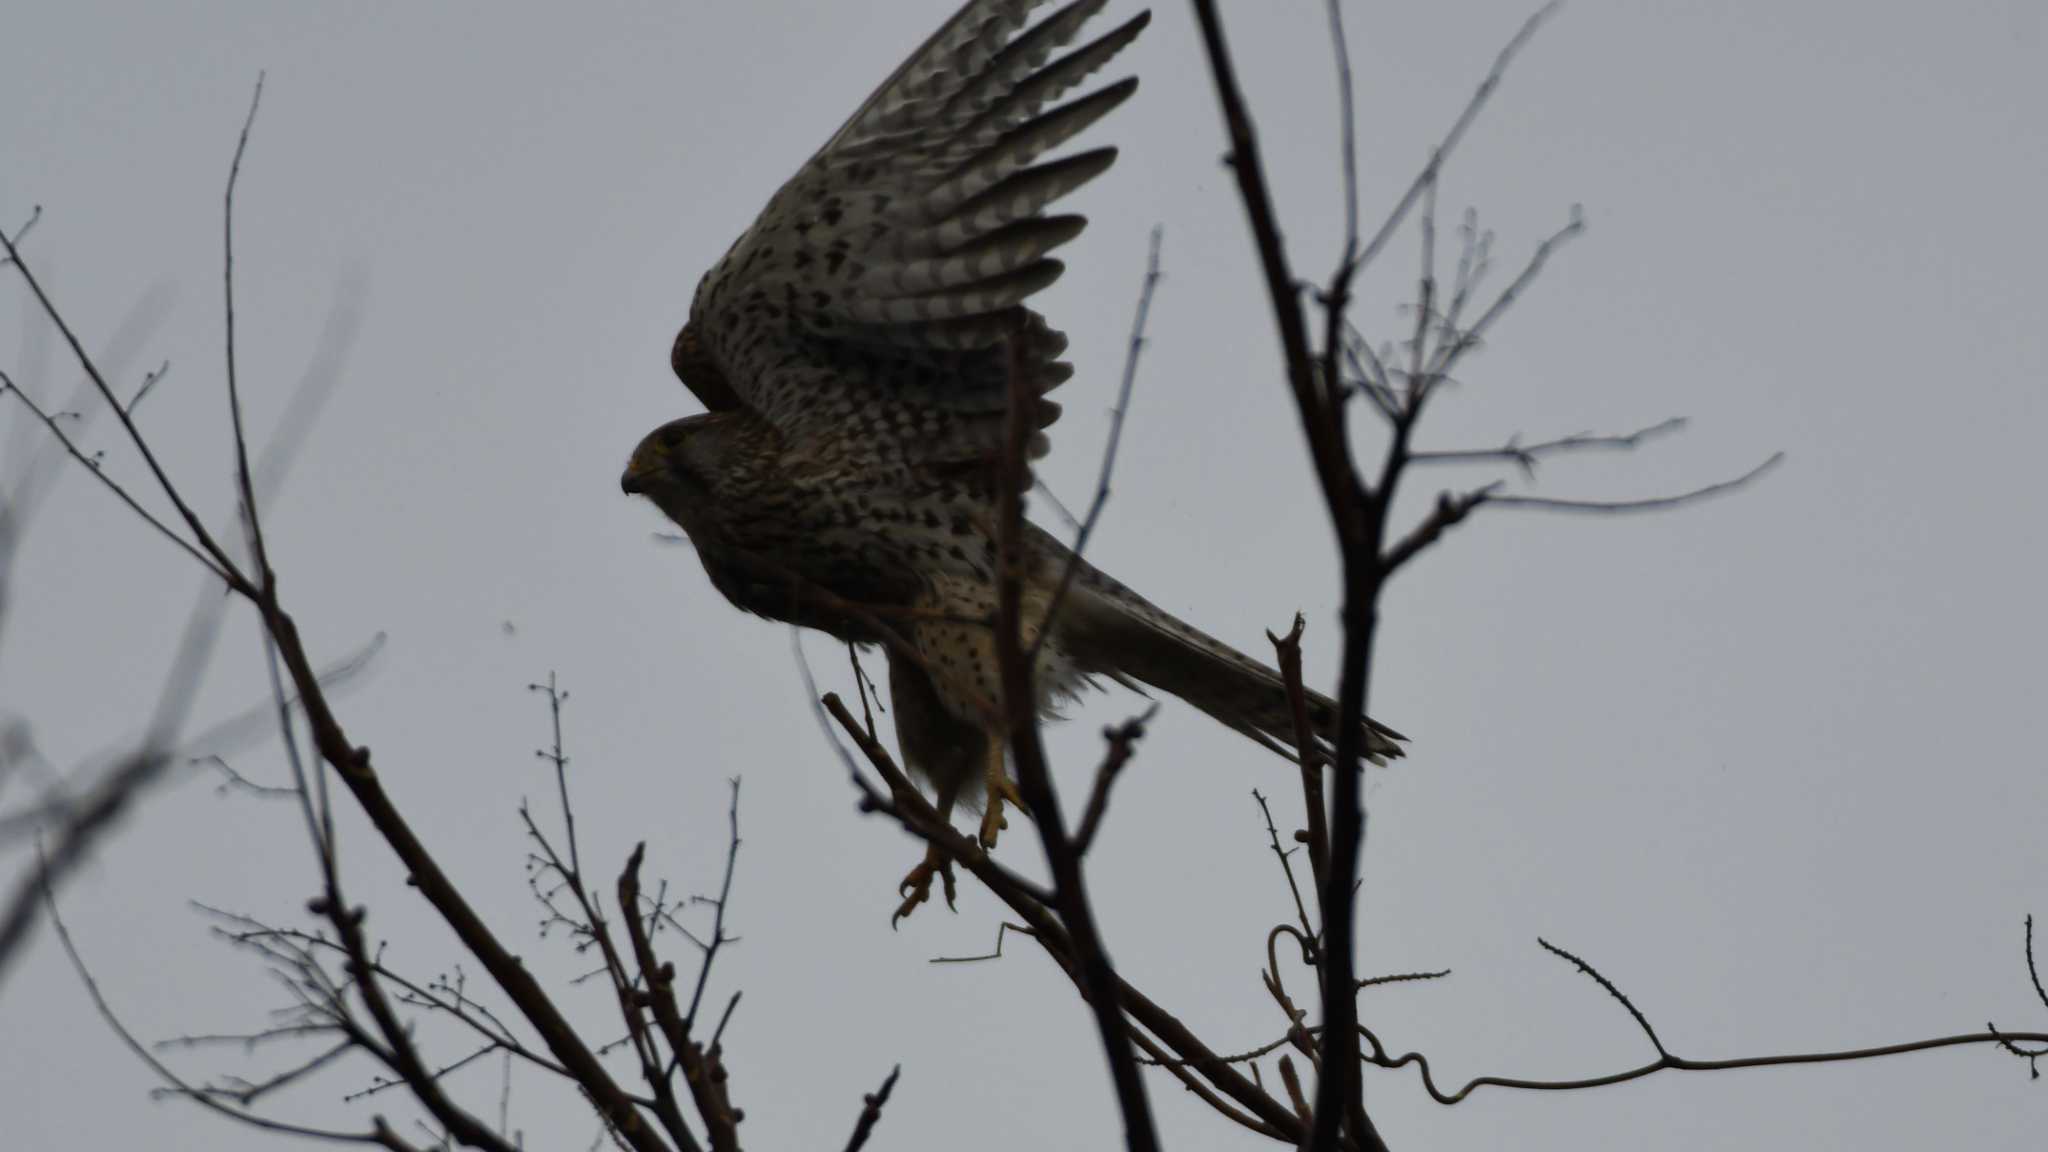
<point>999,789</point>
<point>917,885</point>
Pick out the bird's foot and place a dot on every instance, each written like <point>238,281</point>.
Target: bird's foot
<point>917,886</point>
<point>999,789</point>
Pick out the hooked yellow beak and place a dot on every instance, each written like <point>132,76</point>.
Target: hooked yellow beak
<point>643,465</point>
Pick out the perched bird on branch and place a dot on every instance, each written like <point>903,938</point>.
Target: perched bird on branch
<point>856,348</point>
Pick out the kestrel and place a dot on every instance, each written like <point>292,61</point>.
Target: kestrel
<point>855,348</point>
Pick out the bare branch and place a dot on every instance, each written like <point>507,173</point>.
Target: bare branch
<point>871,1111</point>
<point>92,465</point>
<point>1449,142</point>
<point>182,1089</point>
<point>1020,725</point>
<point>1123,739</point>
<point>1642,1021</point>
<point>253,523</point>
<point>1287,651</point>
<point>1379,1057</point>
<point>222,565</point>
<point>1527,456</point>
<point>1651,504</point>
<point>1116,435</point>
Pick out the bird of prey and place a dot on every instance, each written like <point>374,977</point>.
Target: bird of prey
<point>856,347</point>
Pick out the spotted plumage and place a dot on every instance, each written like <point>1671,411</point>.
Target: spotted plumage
<point>855,348</point>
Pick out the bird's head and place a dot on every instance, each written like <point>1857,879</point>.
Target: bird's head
<point>674,466</point>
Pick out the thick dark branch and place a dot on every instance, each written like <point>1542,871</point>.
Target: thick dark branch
<point>1033,907</point>
<point>1354,519</point>
<point>352,765</point>
<point>1020,726</point>
<point>1322,431</point>
<point>908,807</point>
<point>659,980</point>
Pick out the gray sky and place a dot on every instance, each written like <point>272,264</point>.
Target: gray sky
<point>1772,763</point>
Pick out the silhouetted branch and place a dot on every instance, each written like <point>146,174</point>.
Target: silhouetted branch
<point>1621,997</point>
<point>1670,1061</point>
<point>1452,508</point>
<point>1527,456</point>
<point>871,1111</point>
<point>1287,652</point>
<point>92,465</point>
<point>244,478</point>
<point>216,560</point>
<point>1014,662</point>
<point>379,1135</point>
<point>1449,141</point>
<point>1650,504</point>
<point>1379,1057</point>
<point>1116,435</point>
<point>659,998</point>
<point>904,804</point>
<point>1123,739</point>
<point>232,780</point>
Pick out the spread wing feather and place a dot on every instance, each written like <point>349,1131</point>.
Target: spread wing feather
<point>868,307</point>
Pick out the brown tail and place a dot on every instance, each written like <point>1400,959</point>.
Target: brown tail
<point>1112,631</point>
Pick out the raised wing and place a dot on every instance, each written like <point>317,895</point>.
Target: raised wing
<point>868,306</point>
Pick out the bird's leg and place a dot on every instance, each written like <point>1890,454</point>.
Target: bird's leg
<point>997,787</point>
<point>917,885</point>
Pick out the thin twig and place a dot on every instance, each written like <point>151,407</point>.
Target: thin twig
<point>1379,1057</point>
<point>163,1071</point>
<point>1526,456</point>
<point>266,579</point>
<point>1642,1021</point>
<point>1122,739</point>
<point>1116,435</point>
<point>1650,504</point>
<point>1287,650</point>
<point>92,465</point>
<point>1449,141</point>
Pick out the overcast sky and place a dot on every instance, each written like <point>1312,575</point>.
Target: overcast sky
<point>1773,763</point>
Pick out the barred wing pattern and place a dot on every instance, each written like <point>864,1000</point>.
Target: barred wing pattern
<point>865,312</point>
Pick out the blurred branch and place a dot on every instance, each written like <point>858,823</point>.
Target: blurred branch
<point>380,1135</point>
